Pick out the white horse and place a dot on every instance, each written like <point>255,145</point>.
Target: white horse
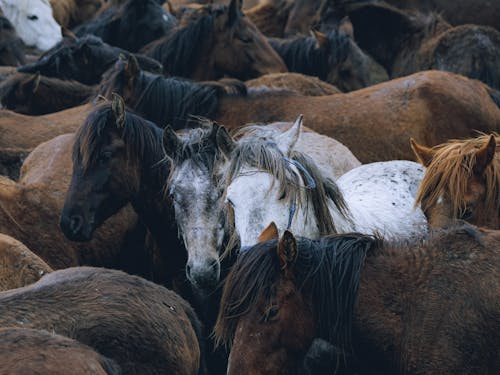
<point>194,183</point>
<point>33,21</point>
<point>266,183</point>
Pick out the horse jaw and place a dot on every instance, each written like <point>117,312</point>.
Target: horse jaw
<point>43,32</point>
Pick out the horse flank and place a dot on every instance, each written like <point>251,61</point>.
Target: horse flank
<point>450,170</point>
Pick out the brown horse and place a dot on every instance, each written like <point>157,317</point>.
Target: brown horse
<point>20,134</point>
<point>270,16</point>
<point>34,94</point>
<point>18,265</point>
<point>458,12</point>
<point>376,122</point>
<point>298,83</point>
<point>30,210</point>
<point>145,328</point>
<point>11,45</point>
<point>430,307</point>
<point>30,351</point>
<point>407,42</point>
<point>461,181</point>
<point>71,13</point>
<point>217,41</point>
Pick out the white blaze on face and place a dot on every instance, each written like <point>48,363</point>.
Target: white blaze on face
<point>255,202</point>
<point>33,21</point>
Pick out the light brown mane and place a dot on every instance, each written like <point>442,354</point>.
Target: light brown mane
<point>451,169</point>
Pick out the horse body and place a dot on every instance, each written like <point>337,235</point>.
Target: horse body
<point>41,352</point>
<point>299,83</point>
<point>33,21</point>
<point>157,332</point>
<point>385,307</point>
<point>19,266</point>
<point>11,46</point>
<point>71,13</point>
<point>266,184</point>
<point>376,122</point>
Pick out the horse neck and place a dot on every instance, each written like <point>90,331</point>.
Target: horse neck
<point>205,69</point>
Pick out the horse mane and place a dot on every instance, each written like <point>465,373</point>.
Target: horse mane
<point>302,55</point>
<point>142,140</point>
<point>181,49</point>
<point>261,152</point>
<point>450,170</point>
<point>165,101</point>
<point>329,268</point>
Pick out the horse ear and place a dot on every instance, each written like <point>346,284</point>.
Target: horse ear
<point>287,251</point>
<point>132,68</point>
<point>118,109</point>
<point>234,12</point>
<point>32,82</point>
<point>346,28</point>
<point>287,140</point>
<point>424,154</point>
<point>270,233</point>
<point>321,38</point>
<point>224,141</point>
<point>171,142</point>
<point>485,155</point>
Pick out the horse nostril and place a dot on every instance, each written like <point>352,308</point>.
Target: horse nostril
<point>75,223</point>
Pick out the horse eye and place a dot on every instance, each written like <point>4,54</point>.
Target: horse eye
<point>282,196</point>
<point>230,202</point>
<point>271,314</point>
<point>33,17</point>
<point>106,155</point>
<point>244,38</point>
<point>466,214</point>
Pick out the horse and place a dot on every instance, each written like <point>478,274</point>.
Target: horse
<point>114,164</point>
<point>267,182</point>
<point>407,42</point>
<point>143,21</point>
<point>19,266</point>
<point>333,57</point>
<point>300,84</point>
<point>164,100</point>
<point>303,14</point>
<point>83,59</point>
<point>194,184</point>
<point>157,333</point>
<point>41,352</point>
<point>33,22</point>
<point>218,40</point>
<point>270,16</point>
<point>34,94</point>
<point>461,181</point>
<point>30,212</point>
<point>376,122</point>
<point>11,46</point>
<point>457,12</point>
<point>71,13</point>
<point>384,306</point>
<point>22,133</point>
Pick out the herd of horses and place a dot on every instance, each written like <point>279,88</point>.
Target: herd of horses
<point>263,187</point>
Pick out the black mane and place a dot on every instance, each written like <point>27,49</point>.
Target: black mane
<point>329,268</point>
<point>181,49</point>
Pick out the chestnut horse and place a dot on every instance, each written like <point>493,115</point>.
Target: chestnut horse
<point>71,13</point>
<point>376,122</point>
<point>407,42</point>
<point>18,265</point>
<point>34,94</point>
<point>217,41</point>
<point>461,181</point>
<point>145,328</point>
<point>428,307</point>
<point>30,351</point>
<point>142,21</point>
<point>301,84</point>
<point>270,16</point>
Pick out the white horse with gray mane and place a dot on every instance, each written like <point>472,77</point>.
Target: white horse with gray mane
<point>268,183</point>
<point>194,184</point>
<point>33,21</point>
